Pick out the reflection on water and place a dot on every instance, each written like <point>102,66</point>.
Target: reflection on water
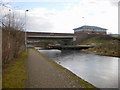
<point>101,71</point>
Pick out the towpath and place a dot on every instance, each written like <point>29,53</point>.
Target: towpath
<point>43,73</point>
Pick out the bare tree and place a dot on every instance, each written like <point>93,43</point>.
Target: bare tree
<point>13,33</point>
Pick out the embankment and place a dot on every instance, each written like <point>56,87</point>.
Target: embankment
<point>104,45</point>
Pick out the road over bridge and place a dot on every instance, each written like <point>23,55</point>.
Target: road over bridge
<point>33,37</point>
<point>45,35</point>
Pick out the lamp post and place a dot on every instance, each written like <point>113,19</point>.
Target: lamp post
<point>25,30</point>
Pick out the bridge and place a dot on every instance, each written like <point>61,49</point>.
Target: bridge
<point>44,35</point>
<point>34,37</point>
<point>65,40</point>
<point>70,47</point>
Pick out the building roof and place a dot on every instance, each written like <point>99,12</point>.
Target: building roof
<point>90,27</point>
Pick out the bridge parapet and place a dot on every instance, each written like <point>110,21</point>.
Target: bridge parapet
<point>48,34</point>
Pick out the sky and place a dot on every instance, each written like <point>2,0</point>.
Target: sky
<point>64,15</point>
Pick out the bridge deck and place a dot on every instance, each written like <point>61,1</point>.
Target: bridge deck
<point>71,47</point>
<point>49,37</point>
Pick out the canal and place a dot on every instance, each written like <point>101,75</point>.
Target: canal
<point>101,71</point>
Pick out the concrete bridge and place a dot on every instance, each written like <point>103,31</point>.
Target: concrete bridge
<point>34,37</point>
<point>70,47</point>
<point>45,35</point>
<point>65,38</point>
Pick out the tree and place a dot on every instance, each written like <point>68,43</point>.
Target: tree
<point>13,32</point>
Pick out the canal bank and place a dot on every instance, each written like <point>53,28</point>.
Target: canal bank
<point>103,45</point>
<point>101,71</point>
<point>45,73</point>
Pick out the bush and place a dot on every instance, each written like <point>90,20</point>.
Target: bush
<point>12,36</point>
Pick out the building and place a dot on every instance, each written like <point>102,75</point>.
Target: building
<point>84,32</point>
<point>90,30</point>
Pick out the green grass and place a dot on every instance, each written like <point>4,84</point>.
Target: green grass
<point>14,74</point>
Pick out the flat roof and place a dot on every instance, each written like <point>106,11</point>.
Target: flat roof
<point>89,27</point>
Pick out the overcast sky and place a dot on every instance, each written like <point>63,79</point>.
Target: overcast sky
<point>65,15</point>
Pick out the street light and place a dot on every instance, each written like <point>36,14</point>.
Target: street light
<point>25,30</point>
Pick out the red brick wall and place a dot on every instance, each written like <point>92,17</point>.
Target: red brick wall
<point>81,36</point>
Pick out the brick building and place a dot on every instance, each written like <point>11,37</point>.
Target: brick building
<point>90,30</point>
<point>84,32</point>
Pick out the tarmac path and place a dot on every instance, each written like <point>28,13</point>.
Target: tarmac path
<point>43,73</point>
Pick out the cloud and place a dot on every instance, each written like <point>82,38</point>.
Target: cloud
<point>92,12</point>
<point>5,1</point>
<point>115,2</point>
<point>38,20</point>
<point>45,0</point>
<point>102,13</point>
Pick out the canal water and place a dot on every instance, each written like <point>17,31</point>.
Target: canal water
<point>101,71</point>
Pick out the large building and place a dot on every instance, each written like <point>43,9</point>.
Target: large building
<point>84,32</point>
<point>90,30</point>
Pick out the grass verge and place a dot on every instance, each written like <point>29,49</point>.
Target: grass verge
<point>14,73</point>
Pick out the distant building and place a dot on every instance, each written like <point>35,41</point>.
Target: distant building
<point>90,30</point>
<point>84,32</point>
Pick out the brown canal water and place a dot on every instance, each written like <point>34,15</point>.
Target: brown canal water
<point>101,71</point>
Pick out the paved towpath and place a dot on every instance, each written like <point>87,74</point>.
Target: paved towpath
<point>43,73</point>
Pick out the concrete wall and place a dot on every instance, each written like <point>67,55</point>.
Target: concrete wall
<point>0,57</point>
<point>0,46</point>
<point>119,33</point>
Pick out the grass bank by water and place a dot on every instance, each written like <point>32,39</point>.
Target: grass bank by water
<point>104,45</point>
<point>14,73</point>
